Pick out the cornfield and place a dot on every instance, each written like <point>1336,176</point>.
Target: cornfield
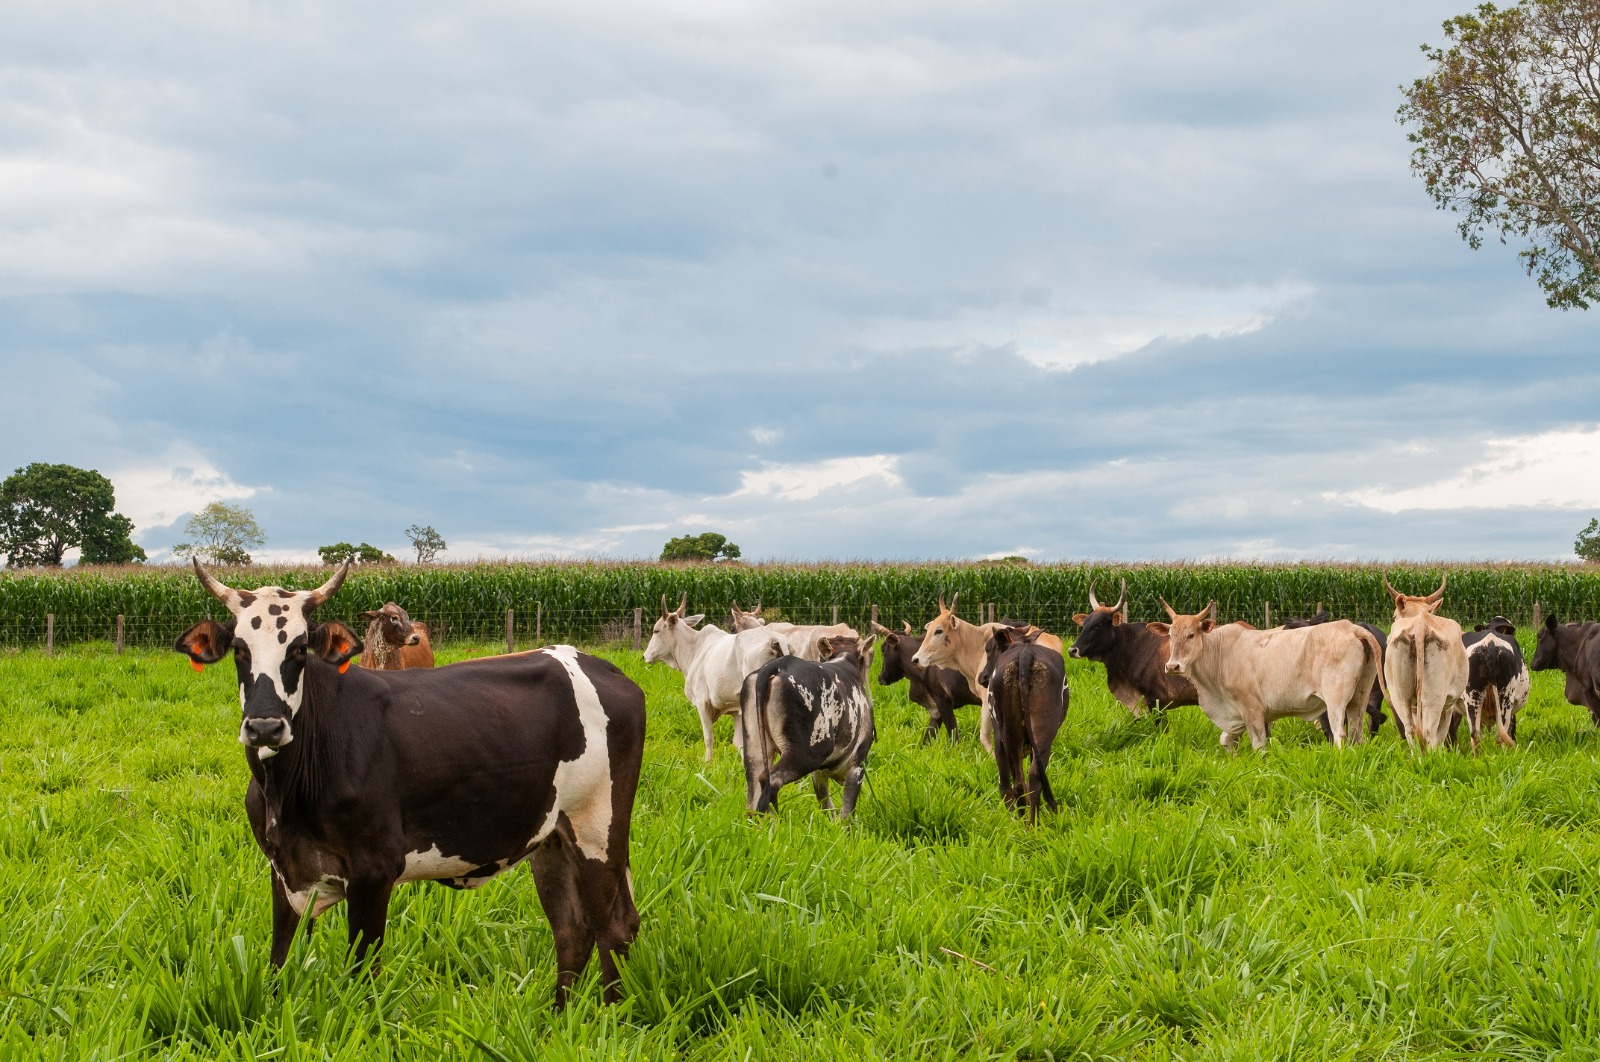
<point>588,602</point>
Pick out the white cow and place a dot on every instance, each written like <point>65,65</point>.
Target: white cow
<point>802,641</point>
<point>1426,668</point>
<point>714,663</point>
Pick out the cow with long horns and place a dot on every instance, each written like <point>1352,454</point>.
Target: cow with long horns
<point>714,663</point>
<point>1135,657</point>
<point>363,779</point>
<point>1426,669</point>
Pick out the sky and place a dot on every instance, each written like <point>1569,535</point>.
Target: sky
<point>941,279</point>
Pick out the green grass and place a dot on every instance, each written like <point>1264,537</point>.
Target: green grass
<point>1298,904</point>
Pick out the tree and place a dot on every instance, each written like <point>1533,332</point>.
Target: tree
<point>365,553</point>
<point>707,547</point>
<point>426,541</point>
<point>222,533</point>
<point>1507,134</point>
<point>46,510</point>
<point>1588,544</point>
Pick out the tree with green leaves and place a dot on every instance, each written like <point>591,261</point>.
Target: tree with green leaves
<point>46,510</point>
<point>707,547</point>
<point>1587,545</point>
<point>222,534</point>
<point>426,541</point>
<point>1506,128</point>
<point>366,553</point>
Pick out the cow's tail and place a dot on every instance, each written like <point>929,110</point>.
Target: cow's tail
<point>762,698</point>
<point>1491,707</point>
<point>1369,643</point>
<point>1036,672</point>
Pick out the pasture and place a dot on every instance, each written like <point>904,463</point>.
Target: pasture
<point>1301,903</point>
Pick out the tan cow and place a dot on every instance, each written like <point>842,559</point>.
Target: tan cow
<point>1247,678</point>
<point>1426,668</point>
<point>802,641</point>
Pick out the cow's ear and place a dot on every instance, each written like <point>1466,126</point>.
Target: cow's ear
<point>1480,627</point>
<point>695,621</point>
<point>1116,618</point>
<point>1079,617</point>
<point>1550,622</point>
<point>206,642</point>
<point>1207,626</point>
<point>1159,628</point>
<point>370,615</point>
<point>825,647</point>
<point>334,643</point>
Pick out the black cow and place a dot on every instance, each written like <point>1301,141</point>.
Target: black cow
<point>362,780</point>
<point>1135,657</point>
<point>815,717</point>
<point>1027,692</point>
<point>1497,681</point>
<point>1575,649</point>
<point>1375,716</point>
<point>941,690</point>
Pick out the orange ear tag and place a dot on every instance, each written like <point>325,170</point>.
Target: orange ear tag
<point>344,667</point>
<point>197,665</point>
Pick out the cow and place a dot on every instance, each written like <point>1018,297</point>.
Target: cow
<point>1497,681</point>
<point>714,663</point>
<point>1025,688</point>
<point>949,642</point>
<point>1426,669</point>
<point>1135,657</point>
<point>816,717</point>
<point>938,689</point>
<point>1574,648</point>
<point>1375,716</point>
<point>801,641</point>
<point>1246,678</point>
<point>394,641</point>
<point>363,779</point>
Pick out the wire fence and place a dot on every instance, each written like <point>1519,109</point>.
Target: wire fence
<point>629,624</point>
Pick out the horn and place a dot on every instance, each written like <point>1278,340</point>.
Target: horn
<point>878,628</point>
<point>941,603</point>
<point>757,610</point>
<point>1094,602</point>
<point>663,606</point>
<point>953,601</point>
<point>331,587</point>
<point>226,594</point>
<point>1437,594</point>
<point>1122,599</point>
<point>1392,591</point>
<point>907,625</point>
<point>1171,612</point>
<point>684,603</point>
<point>736,607</point>
<point>1211,608</point>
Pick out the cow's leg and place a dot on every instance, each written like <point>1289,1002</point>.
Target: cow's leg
<point>613,920</point>
<point>1337,719</point>
<point>783,772</point>
<point>1355,714</point>
<point>367,903</point>
<point>1325,726</point>
<point>555,875</point>
<point>738,731</point>
<point>947,717</point>
<point>284,920</point>
<point>1255,723</point>
<point>819,785</point>
<point>708,719</point>
<point>1230,737</point>
<point>852,788</point>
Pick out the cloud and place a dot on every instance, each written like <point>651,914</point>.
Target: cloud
<point>803,482</point>
<point>1554,469</point>
<point>181,481</point>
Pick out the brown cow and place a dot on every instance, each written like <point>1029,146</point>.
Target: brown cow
<point>1426,668</point>
<point>1026,684</point>
<point>394,641</point>
<point>1135,657</point>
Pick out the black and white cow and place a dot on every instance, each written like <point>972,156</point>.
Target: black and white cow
<point>1497,681</point>
<point>816,718</point>
<point>362,779</point>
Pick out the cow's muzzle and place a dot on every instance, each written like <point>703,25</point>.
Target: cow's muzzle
<point>1174,668</point>
<point>1072,651</point>
<point>265,732</point>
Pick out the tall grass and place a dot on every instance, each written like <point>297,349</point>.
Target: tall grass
<point>575,601</point>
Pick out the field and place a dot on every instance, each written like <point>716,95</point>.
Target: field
<point>1300,903</point>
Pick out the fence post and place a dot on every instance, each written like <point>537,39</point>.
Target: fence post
<point>510,637</point>
<point>1536,618</point>
<point>874,618</point>
<point>49,633</point>
<point>638,627</point>
<point>1266,610</point>
<point>836,613</point>
<point>538,624</point>
<point>1319,608</point>
<point>119,634</point>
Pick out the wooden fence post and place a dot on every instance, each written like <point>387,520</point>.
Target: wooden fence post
<point>1266,610</point>
<point>638,627</point>
<point>119,634</point>
<point>511,642</point>
<point>874,618</point>
<point>538,624</point>
<point>49,634</point>
<point>836,613</point>
<point>1536,618</point>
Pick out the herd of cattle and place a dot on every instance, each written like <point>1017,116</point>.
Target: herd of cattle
<point>399,771</point>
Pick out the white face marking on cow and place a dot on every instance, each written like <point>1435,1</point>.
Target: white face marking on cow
<point>270,625</point>
<point>583,786</point>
